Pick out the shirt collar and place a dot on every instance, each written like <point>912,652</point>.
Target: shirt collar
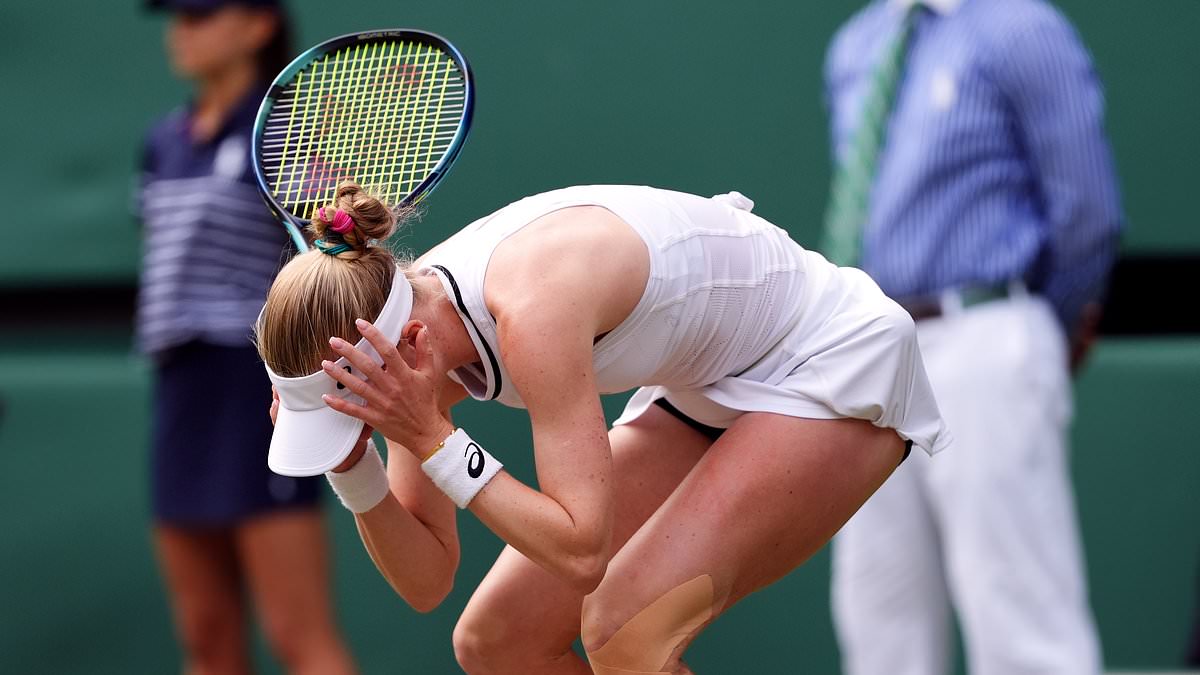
<point>942,7</point>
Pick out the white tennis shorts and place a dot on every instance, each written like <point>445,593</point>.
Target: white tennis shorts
<point>855,356</point>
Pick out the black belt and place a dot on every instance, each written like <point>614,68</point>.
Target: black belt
<point>932,307</point>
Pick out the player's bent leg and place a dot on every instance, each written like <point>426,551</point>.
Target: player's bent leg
<point>767,495</point>
<point>522,619</point>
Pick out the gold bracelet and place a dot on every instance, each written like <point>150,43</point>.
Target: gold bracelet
<point>439,446</point>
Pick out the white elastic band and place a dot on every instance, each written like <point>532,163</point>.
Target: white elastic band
<point>363,485</point>
<point>460,468</point>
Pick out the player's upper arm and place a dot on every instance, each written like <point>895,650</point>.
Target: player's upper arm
<point>546,323</point>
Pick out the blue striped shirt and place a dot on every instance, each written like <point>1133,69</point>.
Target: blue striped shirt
<point>996,166</point>
<point>210,246</point>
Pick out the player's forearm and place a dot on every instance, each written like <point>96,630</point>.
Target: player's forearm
<point>418,559</point>
<point>411,535</point>
<point>574,548</point>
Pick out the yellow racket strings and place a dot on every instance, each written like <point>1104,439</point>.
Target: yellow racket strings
<point>382,114</point>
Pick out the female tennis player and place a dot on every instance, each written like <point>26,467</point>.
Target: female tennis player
<point>776,392</point>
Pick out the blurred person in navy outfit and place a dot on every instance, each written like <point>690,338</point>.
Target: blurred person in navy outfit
<point>975,184</point>
<point>224,526</point>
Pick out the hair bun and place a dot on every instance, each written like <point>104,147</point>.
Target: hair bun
<point>373,220</point>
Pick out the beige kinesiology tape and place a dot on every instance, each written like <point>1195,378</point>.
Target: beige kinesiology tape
<point>643,645</point>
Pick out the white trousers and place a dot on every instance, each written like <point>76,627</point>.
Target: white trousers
<point>987,527</point>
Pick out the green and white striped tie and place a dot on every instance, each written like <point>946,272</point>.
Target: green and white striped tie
<point>855,173</point>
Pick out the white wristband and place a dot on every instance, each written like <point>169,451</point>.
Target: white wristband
<point>460,468</point>
<point>363,485</point>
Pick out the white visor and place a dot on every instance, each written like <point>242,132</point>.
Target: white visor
<point>310,437</point>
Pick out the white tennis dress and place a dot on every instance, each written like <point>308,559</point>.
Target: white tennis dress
<point>736,317</point>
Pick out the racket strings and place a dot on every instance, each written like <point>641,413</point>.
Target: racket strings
<point>382,114</point>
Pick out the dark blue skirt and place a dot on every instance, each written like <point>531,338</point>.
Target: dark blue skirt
<point>210,438</point>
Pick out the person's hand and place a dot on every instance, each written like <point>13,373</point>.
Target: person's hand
<point>401,400</point>
<point>274,405</point>
<point>1085,336</point>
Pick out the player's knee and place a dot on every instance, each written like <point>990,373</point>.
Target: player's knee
<point>597,621</point>
<point>648,641</point>
<point>486,644</point>
<point>473,643</point>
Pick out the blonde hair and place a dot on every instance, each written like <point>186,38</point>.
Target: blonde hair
<point>317,295</point>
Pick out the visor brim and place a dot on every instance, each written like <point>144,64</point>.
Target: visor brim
<point>311,442</point>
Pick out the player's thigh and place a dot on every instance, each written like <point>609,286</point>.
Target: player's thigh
<point>769,493</point>
<point>520,600</point>
<point>285,556</point>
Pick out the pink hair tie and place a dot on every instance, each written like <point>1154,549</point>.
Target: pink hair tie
<point>341,223</point>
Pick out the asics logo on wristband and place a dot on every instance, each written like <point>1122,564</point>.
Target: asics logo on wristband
<point>445,468</point>
<point>475,460</point>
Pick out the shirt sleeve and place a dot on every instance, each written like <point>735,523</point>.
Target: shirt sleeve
<point>1047,75</point>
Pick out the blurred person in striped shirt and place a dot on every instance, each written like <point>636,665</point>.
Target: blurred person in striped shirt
<point>975,184</point>
<point>224,525</point>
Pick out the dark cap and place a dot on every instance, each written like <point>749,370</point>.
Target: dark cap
<point>205,6</point>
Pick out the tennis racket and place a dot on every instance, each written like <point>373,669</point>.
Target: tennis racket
<point>388,109</point>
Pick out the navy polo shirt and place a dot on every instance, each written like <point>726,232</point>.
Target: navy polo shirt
<point>211,247</point>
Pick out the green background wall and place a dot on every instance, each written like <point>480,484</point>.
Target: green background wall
<point>701,96</point>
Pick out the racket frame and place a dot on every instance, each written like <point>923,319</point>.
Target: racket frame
<point>295,224</point>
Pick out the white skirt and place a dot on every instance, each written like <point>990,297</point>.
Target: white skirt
<point>857,357</point>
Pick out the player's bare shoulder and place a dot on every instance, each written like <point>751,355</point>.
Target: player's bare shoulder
<point>583,258</point>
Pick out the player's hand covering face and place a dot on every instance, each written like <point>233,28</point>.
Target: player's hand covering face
<point>401,396</point>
